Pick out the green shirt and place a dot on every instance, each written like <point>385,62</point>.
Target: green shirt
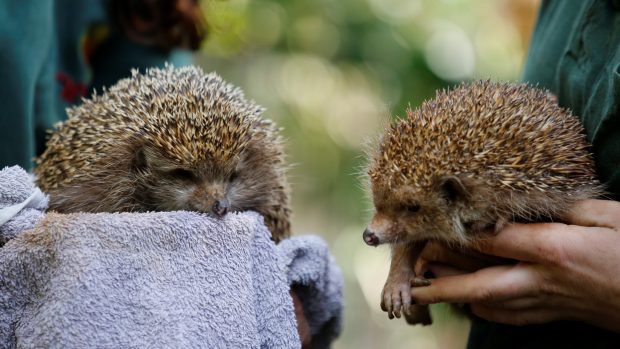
<point>575,53</point>
<point>48,62</point>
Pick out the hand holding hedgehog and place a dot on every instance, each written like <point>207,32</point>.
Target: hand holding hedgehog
<point>465,163</point>
<point>565,271</point>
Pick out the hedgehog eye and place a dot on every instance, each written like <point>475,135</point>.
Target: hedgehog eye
<point>181,173</point>
<point>412,207</point>
<point>234,176</point>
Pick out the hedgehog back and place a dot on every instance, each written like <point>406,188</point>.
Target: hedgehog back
<point>186,114</point>
<point>511,136</point>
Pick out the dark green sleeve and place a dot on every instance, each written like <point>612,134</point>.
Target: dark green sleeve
<point>575,53</point>
<point>43,39</point>
<point>27,76</point>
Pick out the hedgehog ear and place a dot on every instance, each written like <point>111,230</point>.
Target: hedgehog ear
<point>140,159</point>
<point>452,188</point>
<point>553,98</point>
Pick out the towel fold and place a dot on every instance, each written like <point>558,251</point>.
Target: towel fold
<point>313,273</point>
<point>21,203</point>
<point>159,280</point>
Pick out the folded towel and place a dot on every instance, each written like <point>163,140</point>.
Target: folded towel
<point>162,280</point>
<point>21,203</point>
<point>318,282</point>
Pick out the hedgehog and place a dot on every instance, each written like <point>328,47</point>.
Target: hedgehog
<point>169,139</point>
<point>465,163</point>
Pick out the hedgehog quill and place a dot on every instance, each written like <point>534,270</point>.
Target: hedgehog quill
<point>463,165</point>
<point>171,139</point>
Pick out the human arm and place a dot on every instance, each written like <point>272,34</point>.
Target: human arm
<point>564,271</point>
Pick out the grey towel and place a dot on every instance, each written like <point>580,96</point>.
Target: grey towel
<point>21,202</point>
<point>318,281</point>
<point>162,280</point>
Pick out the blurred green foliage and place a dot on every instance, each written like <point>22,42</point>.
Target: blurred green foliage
<point>332,74</point>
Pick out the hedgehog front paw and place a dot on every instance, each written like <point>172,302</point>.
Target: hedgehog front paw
<point>418,314</point>
<point>395,297</point>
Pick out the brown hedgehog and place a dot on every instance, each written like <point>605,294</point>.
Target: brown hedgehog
<point>464,164</point>
<point>171,139</point>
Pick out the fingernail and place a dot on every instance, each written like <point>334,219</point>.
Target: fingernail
<point>420,282</point>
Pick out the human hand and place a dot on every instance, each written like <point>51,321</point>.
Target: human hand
<point>303,327</point>
<point>564,271</point>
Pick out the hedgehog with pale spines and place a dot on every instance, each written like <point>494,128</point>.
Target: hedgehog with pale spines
<point>467,162</point>
<point>171,139</point>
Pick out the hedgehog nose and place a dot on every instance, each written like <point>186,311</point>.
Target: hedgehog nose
<point>220,207</point>
<point>370,238</point>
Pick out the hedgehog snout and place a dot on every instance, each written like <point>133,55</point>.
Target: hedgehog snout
<point>220,207</point>
<point>377,231</point>
<point>370,238</point>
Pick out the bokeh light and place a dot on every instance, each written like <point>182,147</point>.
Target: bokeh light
<point>333,74</point>
<point>450,54</point>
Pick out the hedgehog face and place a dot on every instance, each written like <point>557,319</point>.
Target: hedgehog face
<point>211,186</point>
<point>408,214</point>
<point>169,139</point>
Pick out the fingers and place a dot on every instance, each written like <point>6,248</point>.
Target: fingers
<point>303,327</point>
<point>533,242</point>
<point>420,282</point>
<point>595,213</point>
<point>436,252</point>
<point>544,242</point>
<point>520,303</point>
<point>438,270</point>
<point>512,317</point>
<point>491,284</point>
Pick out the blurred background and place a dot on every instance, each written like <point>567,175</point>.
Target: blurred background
<point>332,74</point>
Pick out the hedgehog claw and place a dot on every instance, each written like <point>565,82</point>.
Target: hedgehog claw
<point>396,297</point>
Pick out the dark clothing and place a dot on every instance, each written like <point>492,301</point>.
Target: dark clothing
<point>575,53</point>
<point>560,334</point>
<point>53,54</point>
<point>26,102</point>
